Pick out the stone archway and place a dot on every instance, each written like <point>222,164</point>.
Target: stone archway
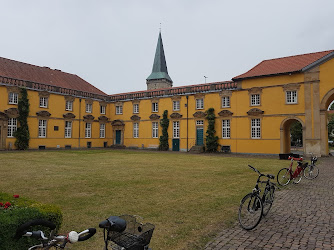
<point>326,100</point>
<point>285,140</point>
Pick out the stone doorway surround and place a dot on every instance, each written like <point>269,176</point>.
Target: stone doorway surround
<point>3,130</point>
<point>118,125</point>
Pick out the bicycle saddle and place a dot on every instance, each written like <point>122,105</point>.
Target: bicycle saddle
<point>113,223</point>
<point>270,176</point>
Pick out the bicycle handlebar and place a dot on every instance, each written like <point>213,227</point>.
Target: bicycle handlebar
<point>21,230</point>
<point>87,234</point>
<point>270,176</point>
<point>113,223</point>
<point>295,159</point>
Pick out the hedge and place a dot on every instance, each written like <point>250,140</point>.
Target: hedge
<point>22,210</point>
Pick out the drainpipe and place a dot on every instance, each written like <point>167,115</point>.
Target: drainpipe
<point>187,121</point>
<point>79,119</point>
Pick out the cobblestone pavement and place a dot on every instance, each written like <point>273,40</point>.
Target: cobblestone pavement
<point>302,217</point>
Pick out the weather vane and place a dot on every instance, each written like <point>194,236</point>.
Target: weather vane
<point>160,27</point>
<point>205,78</point>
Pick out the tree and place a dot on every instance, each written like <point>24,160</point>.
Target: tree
<point>163,140</point>
<point>22,133</point>
<point>331,107</point>
<point>211,139</point>
<point>331,126</point>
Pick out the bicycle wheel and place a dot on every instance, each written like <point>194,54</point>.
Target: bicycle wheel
<point>311,172</point>
<point>250,211</point>
<point>283,177</point>
<point>268,199</point>
<point>298,178</point>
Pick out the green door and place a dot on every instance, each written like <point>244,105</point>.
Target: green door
<point>176,145</point>
<point>199,137</point>
<point>118,136</point>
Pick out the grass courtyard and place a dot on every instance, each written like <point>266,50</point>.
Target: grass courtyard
<point>188,197</point>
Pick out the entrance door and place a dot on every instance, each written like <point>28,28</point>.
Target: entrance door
<point>199,137</point>
<point>176,145</point>
<point>118,137</point>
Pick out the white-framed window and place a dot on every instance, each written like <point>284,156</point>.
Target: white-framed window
<point>13,98</point>
<point>102,109</point>
<point>135,108</point>
<point>291,97</point>
<point>200,103</point>
<point>88,130</point>
<point>199,122</point>
<point>155,107</point>
<point>43,102</point>
<point>42,128</point>
<point>255,100</point>
<point>135,130</point>
<point>102,130</point>
<point>256,128</point>
<point>69,106</point>
<point>176,105</point>
<point>155,129</point>
<point>225,102</point>
<point>226,129</point>
<point>119,109</point>
<point>68,129</point>
<point>12,127</point>
<point>176,129</point>
<point>89,107</point>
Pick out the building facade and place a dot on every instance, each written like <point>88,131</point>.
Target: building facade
<point>254,110</point>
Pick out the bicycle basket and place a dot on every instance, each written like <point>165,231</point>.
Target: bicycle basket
<point>136,235</point>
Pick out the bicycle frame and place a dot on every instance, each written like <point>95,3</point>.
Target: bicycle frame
<point>294,174</point>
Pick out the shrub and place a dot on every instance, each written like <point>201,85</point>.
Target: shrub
<point>164,145</point>
<point>211,139</point>
<point>22,210</point>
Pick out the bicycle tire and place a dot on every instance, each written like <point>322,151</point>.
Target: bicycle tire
<point>268,197</point>
<point>311,172</point>
<point>283,177</point>
<point>298,178</point>
<point>250,211</point>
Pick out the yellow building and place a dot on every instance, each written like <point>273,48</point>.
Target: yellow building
<point>254,110</point>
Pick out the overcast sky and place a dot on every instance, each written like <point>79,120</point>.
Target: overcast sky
<point>111,44</point>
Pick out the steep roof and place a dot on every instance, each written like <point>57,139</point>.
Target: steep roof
<point>285,65</point>
<point>159,70</point>
<point>23,71</point>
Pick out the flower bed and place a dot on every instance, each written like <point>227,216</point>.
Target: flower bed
<point>14,211</point>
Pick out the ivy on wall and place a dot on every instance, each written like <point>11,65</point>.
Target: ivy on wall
<point>22,133</point>
<point>163,140</point>
<point>211,139</point>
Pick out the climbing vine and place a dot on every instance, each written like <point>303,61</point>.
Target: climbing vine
<point>163,140</point>
<point>22,133</point>
<point>211,139</point>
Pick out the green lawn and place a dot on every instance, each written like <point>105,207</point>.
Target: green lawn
<point>188,197</point>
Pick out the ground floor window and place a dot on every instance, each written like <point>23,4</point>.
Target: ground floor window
<point>256,128</point>
<point>68,129</point>
<point>176,129</point>
<point>135,130</point>
<point>88,130</point>
<point>12,127</point>
<point>42,128</point>
<point>102,130</point>
<point>155,129</point>
<point>226,129</point>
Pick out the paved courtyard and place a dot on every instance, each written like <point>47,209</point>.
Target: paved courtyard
<point>302,217</point>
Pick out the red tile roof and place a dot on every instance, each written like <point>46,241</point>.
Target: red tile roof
<point>23,71</point>
<point>283,65</point>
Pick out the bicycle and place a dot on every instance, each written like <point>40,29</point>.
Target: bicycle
<point>252,206</point>
<point>311,171</point>
<point>125,232</point>
<point>53,241</point>
<point>285,175</point>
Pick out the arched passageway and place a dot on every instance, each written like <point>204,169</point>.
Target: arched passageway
<point>289,138</point>
<point>325,102</point>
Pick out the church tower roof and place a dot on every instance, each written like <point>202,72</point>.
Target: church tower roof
<point>159,70</point>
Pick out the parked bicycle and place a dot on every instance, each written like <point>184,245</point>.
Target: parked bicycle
<point>125,232</point>
<point>252,206</point>
<point>53,241</point>
<point>311,171</point>
<point>285,175</point>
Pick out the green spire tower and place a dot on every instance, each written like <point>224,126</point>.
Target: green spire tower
<point>159,77</point>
